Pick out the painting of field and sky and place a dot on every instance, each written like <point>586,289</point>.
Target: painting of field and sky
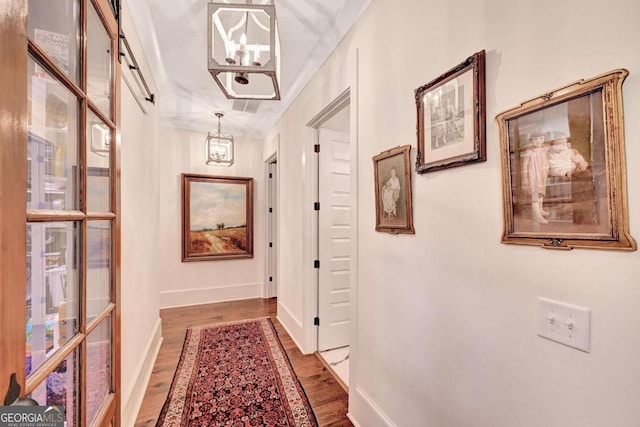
<point>217,217</point>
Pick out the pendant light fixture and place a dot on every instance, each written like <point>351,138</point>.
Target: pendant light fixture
<point>219,147</point>
<point>244,49</point>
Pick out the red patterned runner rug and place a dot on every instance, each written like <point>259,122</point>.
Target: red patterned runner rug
<point>235,374</point>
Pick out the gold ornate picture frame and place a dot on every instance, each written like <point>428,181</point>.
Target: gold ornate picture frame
<point>394,206</point>
<point>563,168</point>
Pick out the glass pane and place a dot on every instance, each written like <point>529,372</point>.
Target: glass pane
<point>53,277</point>
<point>98,266</point>
<point>98,172</point>
<point>53,26</point>
<point>52,155</point>
<point>98,63</point>
<point>61,388</point>
<point>98,367</point>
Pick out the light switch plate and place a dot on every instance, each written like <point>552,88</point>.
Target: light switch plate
<point>565,323</point>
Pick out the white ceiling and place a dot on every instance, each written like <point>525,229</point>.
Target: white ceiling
<point>173,34</point>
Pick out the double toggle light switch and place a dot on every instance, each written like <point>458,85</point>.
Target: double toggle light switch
<point>565,323</point>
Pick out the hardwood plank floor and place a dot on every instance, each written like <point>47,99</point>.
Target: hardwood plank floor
<point>327,398</point>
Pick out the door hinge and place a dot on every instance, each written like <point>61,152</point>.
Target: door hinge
<point>316,148</point>
<point>270,244</point>
<point>316,321</point>
<point>270,175</point>
<point>316,263</point>
<point>316,206</point>
<point>270,210</point>
<point>270,279</point>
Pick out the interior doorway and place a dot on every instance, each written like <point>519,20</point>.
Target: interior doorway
<point>271,288</point>
<point>334,236</point>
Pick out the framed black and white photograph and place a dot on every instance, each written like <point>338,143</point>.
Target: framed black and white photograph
<point>563,168</point>
<point>394,207</point>
<point>451,117</point>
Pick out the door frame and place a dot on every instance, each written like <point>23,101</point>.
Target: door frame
<point>348,95</point>
<point>339,105</point>
<point>267,289</point>
<point>13,182</point>
<point>16,48</point>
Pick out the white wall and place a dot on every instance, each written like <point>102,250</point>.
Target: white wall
<point>446,326</point>
<point>188,283</point>
<point>292,260</point>
<point>140,193</point>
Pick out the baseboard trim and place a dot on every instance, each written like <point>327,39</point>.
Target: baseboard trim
<point>333,372</point>
<point>186,297</point>
<point>144,369</point>
<point>353,420</point>
<point>292,326</point>
<point>363,411</point>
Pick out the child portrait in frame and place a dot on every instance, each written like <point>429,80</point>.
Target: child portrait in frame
<point>451,126</point>
<point>394,208</point>
<point>564,178</point>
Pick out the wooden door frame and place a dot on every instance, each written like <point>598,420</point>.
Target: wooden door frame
<point>114,411</point>
<point>13,182</point>
<point>15,48</point>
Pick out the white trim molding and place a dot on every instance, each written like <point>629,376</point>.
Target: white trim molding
<point>293,326</point>
<point>186,297</point>
<point>363,411</point>
<point>273,157</point>
<point>347,95</point>
<point>135,396</point>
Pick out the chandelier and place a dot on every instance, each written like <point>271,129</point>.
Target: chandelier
<point>244,49</point>
<point>219,147</point>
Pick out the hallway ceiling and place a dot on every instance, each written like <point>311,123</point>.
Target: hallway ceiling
<point>173,34</point>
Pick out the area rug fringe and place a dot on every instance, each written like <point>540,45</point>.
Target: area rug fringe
<point>235,374</point>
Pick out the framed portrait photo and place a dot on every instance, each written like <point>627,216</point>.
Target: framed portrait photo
<point>563,168</point>
<point>394,209</point>
<point>451,122</point>
<point>217,217</point>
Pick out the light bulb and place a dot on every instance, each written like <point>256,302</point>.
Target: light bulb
<point>243,41</point>
<point>232,49</point>
<point>219,151</point>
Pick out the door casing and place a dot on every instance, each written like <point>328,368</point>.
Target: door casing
<point>349,94</point>
<point>271,220</point>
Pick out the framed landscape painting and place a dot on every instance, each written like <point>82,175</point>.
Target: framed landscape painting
<point>563,168</point>
<point>217,217</point>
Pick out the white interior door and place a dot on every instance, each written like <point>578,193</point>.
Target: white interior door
<point>334,242</point>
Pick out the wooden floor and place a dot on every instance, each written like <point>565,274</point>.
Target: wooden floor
<point>328,399</point>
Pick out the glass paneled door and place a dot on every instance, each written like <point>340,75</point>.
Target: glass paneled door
<point>59,210</point>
